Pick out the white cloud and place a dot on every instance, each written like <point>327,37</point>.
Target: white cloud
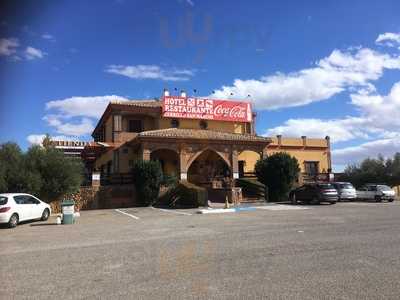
<point>8,46</point>
<point>33,53</point>
<point>386,147</point>
<point>91,106</point>
<point>338,129</point>
<point>37,139</point>
<point>330,76</point>
<point>378,116</point>
<point>388,39</point>
<point>83,127</point>
<point>151,72</point>
<point>77,115</point>
<point>48,37</point>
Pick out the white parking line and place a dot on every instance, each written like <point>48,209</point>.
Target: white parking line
<point>125,213</point>
<point>172,211</point>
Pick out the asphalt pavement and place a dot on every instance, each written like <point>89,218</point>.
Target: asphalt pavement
<point>342,251</point>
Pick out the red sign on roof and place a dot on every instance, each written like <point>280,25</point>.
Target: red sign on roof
<point>207,109</point>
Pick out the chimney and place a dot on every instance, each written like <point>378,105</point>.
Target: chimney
<point>304,138</point>
<point>166,93</point>
<point>279,137</point>
<point>183,94</point>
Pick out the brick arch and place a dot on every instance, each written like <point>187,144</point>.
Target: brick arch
<point>191,160</point>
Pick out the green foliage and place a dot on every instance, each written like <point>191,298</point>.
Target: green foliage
<point>278,172</point>
<point>169,180</point>
<point>374,170</point>
<point>251,187</point>
<point>41,171</point>
<point>184,195</point>
<point>147,177</point>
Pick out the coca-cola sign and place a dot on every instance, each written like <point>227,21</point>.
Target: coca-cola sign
<point>207,109</point>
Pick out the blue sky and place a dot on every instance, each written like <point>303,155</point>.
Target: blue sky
<point>312,68</point>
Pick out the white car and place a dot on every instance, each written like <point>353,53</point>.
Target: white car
<point>15,208</point>
<point>377,192</point>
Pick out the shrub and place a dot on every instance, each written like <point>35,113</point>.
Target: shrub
<point>186,195</point>
<point>147,176</point>
<point>278,172</point>
<point>251,187</point>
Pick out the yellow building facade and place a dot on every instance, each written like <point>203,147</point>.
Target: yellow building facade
<point>196,150</point>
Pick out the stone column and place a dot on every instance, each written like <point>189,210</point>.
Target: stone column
<point>145,152</point>
<point>183,168</point>
<point>95,179</point>
<point>234,163</point>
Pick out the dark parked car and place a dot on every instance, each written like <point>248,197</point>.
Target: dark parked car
<point>314,193</point>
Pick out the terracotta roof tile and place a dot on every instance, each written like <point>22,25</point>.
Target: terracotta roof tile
<point>202,134</point>
<point>139,103</point>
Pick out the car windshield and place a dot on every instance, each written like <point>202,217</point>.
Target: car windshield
<point>3,200</point>
<point>325,186</point>
<point>384,188</point>
<point>346,186</point>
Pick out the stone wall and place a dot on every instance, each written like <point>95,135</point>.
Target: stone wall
<point>113,196</point>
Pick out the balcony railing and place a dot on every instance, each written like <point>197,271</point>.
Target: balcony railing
<point>319,177</point>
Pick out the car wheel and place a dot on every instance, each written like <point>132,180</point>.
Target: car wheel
<point>315,200</point>
<point>13,222</point>
<point>45,215</point>
<point>390,200</point>
<point>293,199</point>
<point>332,202</point>
<point>378,199</point>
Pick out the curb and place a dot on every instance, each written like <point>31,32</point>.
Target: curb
<point>225,210</point>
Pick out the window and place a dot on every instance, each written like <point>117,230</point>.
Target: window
<point>117,123</point>
<point>174,123</point>
<point>203,124</point>
<point>31,200</point>
<point>311,167</point>
<point>135,126</point>
<point>3,200</point>
<point>20,199</point>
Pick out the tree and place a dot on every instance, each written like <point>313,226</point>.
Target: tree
<point>278,172</point>
<point>11,159</point>
<point>147,176</point>
<point>374,170</point>
<point>53,172</point>
<point>44,172</point>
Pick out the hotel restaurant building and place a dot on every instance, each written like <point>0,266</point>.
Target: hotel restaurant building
<point>200,140</point>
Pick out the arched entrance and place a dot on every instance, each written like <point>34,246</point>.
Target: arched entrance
<point>247,160</point>
<point>208,167</point>
<point>168,159</point>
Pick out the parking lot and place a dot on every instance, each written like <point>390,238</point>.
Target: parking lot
<point>345,251</point>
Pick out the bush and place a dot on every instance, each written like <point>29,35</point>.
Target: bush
<point>186,195</point>
<point>251,187</point>
<point>147,177</point>
<point>278,172</point>
<point>42,171</point>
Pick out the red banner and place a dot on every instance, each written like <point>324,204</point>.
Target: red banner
<point>206,109</point>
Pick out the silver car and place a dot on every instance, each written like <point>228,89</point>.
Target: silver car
<point>346,191</point>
